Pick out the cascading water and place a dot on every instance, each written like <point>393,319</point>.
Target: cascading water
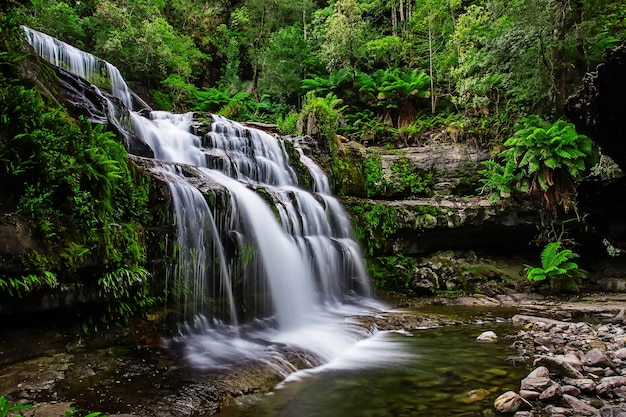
<point>275,257</point>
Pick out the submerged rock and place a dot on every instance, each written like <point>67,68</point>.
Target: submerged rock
<point>488,336</point>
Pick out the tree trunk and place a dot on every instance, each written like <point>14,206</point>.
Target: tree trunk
<point>433,98</point>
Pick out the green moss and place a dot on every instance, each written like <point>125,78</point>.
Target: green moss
<point>304,176</point>
<point>391,272</point>
<point>374,223</point>
<point>410,181</point>
<point>265,195</point>
<point>373,172</point>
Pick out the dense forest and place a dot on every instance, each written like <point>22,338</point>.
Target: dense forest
<point>490,73</point>
<point>398,67</point>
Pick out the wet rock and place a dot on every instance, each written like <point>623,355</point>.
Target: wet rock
<point>585,385</point>
<point>538,380</point>
<point>475,395</point>
<point>558,365</point>
<point>488,336</point>
<point>529,395</point>
<point>597,358</point>
<point>426,278</point>
<point>553,391</point>
<point>555,411</point>
<point>579,407</point>
<point>509,402</point>
<point>608,384</point>
<point>571,390</point>
<point>613,411</point>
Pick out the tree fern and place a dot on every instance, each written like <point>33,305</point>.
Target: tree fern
<point>550,157</point>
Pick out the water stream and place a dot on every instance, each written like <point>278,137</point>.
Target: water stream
<point>446,372</point>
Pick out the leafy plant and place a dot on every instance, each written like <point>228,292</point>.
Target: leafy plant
<point>320,116</point>
<point>8,409</point>
<point>543,159</point>
<point>556,267</point>
<point>288,124</point>
<point>18,287</point>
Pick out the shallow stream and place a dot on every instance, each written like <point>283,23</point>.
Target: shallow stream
<point>444,371</point>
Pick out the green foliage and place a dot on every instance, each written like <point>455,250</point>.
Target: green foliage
<point>374,182</point>
<point>18,287</point>
<point>83,197</point>
<point>403,180</point>
<point>288,124</point>
<point>320,117</point>
<point>242,106</point>
<point>413,184</point>
<point>284,61</point>
<point>541,158</point>
<point>391,272</point>
<point>392,93</point>
<point>556,265</point>
<point>126,293</point>
<point>343,35</point>
<point>7,409</point>
<point>374,224</point>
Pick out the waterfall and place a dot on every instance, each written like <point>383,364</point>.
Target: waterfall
<point>274,262</point>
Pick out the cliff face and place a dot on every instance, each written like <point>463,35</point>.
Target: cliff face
<point>598,110</point>
<point>419,200</point>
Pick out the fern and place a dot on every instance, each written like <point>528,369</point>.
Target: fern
<point>556,264</point>
<point>548,157</point>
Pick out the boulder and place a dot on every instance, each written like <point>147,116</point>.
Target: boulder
<point>509,402</point>
<point>579,407</point>
<point>597,358</point>
<point>585,385</point>
<point>558,365</point>
<point>553,391</point>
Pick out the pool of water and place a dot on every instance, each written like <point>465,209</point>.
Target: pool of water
<point>433,372</point>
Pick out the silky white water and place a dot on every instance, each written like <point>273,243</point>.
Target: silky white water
<point>267,264</point>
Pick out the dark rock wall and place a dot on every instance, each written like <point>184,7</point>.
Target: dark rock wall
<point>598,110</point>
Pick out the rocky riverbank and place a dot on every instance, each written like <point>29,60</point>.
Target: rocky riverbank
<point>579,369</point>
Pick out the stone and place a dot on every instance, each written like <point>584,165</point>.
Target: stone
<point>509,402</point>
<point>609,383</point>
<point>585,385</point>
<point>571,390</point>
<point>475,395</point>
<point>579,407</point>
<point>620,353</point>
<point>488,336</point>
<point>552,392</point>
<point>620,392</point>
<point>613,411</point>
<point>558,411</point>
<point>540,371</point>
<point>558,365</point>
<point>597,358</point>
<point>535,384</point>
<point>529,395</point>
